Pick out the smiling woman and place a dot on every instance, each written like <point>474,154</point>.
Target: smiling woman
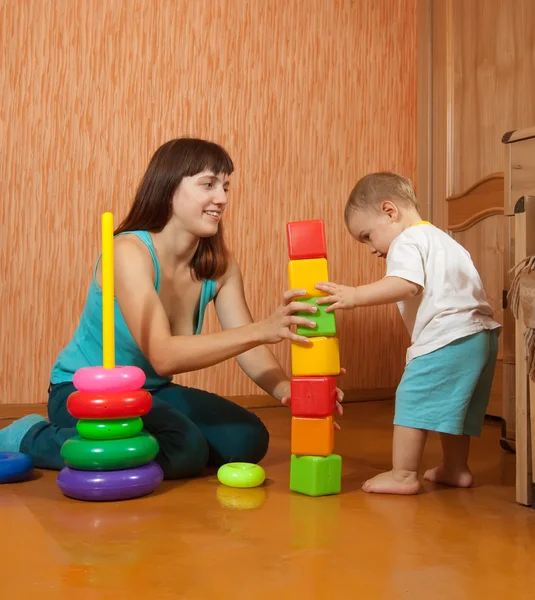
<point>171,261</point>
<point>186,178</point>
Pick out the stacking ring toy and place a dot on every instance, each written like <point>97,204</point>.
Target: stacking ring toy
<point>110,485</point>
<point>109,455</point>
<point>109,430</point>
<point>101,405</point>
<point>117,379</point>
<point>14,466</point>
<point>241,475</point>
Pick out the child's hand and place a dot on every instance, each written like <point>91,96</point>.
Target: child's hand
<point>340,296</point>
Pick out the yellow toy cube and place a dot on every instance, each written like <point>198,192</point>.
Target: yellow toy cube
<point>320,357</point>
<point>306,274</point>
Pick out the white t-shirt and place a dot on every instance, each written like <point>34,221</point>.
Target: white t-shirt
<point>452,303</point>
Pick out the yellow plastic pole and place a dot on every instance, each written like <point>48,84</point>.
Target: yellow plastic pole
<point>108,327</point>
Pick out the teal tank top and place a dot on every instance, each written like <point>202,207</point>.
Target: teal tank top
<point>85,347</point>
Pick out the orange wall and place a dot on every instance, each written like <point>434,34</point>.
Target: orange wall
<point>306,96</point>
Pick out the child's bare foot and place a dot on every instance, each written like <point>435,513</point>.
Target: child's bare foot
<point>454,477</point>
<point>393,483</point>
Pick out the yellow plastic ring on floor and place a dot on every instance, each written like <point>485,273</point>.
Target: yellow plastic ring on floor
<point>241,475</point>
<point>241,499</point>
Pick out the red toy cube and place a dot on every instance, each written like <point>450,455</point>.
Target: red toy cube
<point>313,396</point>
<point>306,239</point>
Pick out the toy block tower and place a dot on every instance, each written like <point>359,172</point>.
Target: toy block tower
<point>314,469</point>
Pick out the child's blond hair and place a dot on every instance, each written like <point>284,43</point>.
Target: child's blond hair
<point>372,189</point>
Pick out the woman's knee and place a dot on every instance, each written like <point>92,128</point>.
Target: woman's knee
<point>183,448</point>
<point>185,458</point>
<point>260,444</point>
<point>57,405</point>
<point>249,443</point>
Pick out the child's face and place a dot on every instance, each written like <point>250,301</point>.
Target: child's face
<point>377,229</point>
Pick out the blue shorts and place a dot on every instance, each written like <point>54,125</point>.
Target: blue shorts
<point>448,390</point>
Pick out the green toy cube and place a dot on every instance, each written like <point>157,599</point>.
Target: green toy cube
<point>316,475</point>
<point>325,322</point>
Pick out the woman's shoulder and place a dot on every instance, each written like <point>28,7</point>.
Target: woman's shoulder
<point>132,260</point>
<point>140,237</point>
<point>129,248</point>
<point>131,240</point>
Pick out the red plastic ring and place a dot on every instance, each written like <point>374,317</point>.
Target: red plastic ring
<point>111,405</point>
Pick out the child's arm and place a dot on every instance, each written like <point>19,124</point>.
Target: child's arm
<point>385,291</point>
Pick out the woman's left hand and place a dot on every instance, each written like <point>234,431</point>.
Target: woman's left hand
<point>286,399</point>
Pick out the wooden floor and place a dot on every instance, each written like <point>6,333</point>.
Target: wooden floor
<point>196,540</point>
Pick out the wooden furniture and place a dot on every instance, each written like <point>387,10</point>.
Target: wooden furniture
<point>520,231</point>
<point>476,220</point>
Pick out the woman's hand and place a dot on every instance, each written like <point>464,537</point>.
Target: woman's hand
<point>276,328</point>
<point>286,399</point>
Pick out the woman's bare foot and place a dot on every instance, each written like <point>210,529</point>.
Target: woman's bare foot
<point>454,477</point>
<point>393,483</point>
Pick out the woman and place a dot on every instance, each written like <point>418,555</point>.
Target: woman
<point>170,262</point>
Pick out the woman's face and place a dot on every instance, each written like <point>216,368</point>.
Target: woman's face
<point>200,201</point>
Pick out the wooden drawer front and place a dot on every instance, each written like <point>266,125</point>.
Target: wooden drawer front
<point>523,168</point>
<point>519,172</point>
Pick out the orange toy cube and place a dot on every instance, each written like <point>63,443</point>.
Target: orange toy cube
<point>312,437</point>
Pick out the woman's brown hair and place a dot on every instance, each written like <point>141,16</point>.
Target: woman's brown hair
<point>152,206</point>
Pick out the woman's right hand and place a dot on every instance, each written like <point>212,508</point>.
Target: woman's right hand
<point>276,328</point>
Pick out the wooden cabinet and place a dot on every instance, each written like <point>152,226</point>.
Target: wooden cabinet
<point>519,166</point>
<point>472,89</point>
<point>518,391</point>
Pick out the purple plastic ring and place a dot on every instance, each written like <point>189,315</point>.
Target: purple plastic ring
<point>102,486</point>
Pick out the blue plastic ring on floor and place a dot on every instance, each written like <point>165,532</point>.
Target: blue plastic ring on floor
<point>14,466</point>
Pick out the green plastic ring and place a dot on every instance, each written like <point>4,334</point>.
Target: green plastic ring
<point>109,455</point>
<point>111,429</point>
<point>241,475</point>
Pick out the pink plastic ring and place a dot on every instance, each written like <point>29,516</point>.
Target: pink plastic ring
<point>118,379</point>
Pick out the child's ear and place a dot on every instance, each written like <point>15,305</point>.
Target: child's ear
<point>390,209</point>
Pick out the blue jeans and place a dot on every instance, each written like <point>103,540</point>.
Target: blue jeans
<point>194,429</point>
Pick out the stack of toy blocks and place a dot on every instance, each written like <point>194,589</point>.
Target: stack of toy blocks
<point>314,469</point>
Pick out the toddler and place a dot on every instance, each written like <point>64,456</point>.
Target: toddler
<point>454,340</point>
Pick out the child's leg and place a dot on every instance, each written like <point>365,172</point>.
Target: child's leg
<point>454,468</point>
<point>434,394</point>
<point>408,447</point>
<point>410,432</point>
